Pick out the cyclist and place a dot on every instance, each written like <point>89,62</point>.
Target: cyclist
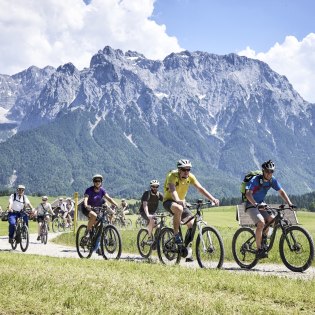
<point>176,186</point>
<point>124,208</point>
<point>42,212</point>
<point>95,196</point>
<point>149,204</point>
<point>17,202</point>
<point>256,190</point>
<point>69,209</point>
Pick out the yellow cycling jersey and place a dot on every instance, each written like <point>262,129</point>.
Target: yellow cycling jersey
<point>181,185</point>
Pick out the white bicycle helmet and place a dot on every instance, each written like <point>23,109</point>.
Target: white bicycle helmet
<point>44,198</point>
<point>21,187</point>
<point>154,182</point>
<point>268,165</point>
<point>183,163</point>
<point>97,176</point>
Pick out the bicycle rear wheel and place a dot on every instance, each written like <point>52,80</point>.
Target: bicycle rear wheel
<point>144,243</point>
<point>167,249</point>
<point>83,244</point>
<point>209,248</point>
<point>111,242</point>
<point>244,248</point>
<point>296,248</point>
<point>128,224</point>
<point>24,238</point>
<point>61,225</point>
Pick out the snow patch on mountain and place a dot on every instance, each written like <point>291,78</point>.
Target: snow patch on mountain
<point>129,137</point>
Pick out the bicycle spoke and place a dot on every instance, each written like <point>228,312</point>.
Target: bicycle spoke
<point>209,248</point>
<point>168,251</point>
<point>83,244</point>
<point>296,249</point>
<point>144,243</point>
<point>244,248</point>
<point>111,243</point>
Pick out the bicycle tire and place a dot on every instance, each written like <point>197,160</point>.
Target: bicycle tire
<point>25,238</point>
<point>128,224</point>
<point>168,251</point>
<point>14,243</point>
<point>44,233</point>
<point>298,258</point>
<point>61,225</point>
<point>211,255</point>
<point>111,247</point>
<point>244,248</point>
<point>54,225</point>
<point>83,246</point>
<point>145,249</point>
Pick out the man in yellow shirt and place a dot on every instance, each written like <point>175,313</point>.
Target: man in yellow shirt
<point>175,190</point>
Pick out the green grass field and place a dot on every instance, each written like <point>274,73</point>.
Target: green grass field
<point>45,285</point>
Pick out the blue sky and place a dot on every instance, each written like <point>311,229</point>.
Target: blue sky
<point>224,26</point>
<point>53,32</point>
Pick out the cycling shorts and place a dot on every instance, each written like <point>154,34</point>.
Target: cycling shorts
<point>186,212</point>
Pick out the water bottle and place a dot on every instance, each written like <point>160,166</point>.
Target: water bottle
<point>270,231</point>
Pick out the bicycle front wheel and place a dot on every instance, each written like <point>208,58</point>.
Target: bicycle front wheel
<point>24,238</point>
<point>209,248</point>
<point>55,225</point>
<point>167,249</point>
<point>83,244</point>
<point>44,234</point>
<point>244,248</point>
<point>111,243</point>
<point>296,248</point>
<point>144,243</point>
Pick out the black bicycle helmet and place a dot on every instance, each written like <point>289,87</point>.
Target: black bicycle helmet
<point>268,165</point>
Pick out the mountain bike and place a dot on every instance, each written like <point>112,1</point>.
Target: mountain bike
<point>44,230</point>
<point>209,244</point>
<point>121,222</point>
<point>140,222</point>
<point>145,243</point>
<point>59,224</point>
<point>296,245</point>
<point>21,235</point>
<point>103,235</point>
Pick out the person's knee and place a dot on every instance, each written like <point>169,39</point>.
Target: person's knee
<point>260,225</point>
<point>177,209</point>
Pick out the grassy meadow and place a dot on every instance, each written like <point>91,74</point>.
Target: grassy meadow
<point>48,285</point>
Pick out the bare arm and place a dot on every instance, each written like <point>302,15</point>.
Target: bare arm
<point>112,201</point>
<point>175,196</point>
<point>205,193</point>
<point>250,198</point>
<point>145,208</point>
<point>285,197</point>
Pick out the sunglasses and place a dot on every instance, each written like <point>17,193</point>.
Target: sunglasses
<point>269,171</point>
<point>21,189</point>
<point>97,181</point>
<point>155,187</point>
<point>185,169</point>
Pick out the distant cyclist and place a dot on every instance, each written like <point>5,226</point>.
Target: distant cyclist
<point>123,210</point>
<point>150,203</point>
<point>17,202</point>
<point>95,196</point>
<point>256,191</point>
<point>69,211</point>
<point>42,211</point>
<point>176,187</point>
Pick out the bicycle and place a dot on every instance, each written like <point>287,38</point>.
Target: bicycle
<point>140,222</point>
<point>21,234</point>
<point>104,234</point>
<point>145,243</point>
<point>121,222</point>
<point>209,244</point>
<point>296,245</point>
<point>44,230</point>
<point>59,224</point>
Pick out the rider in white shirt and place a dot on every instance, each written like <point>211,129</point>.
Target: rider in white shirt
<point>42,211</point>
<point>17,202</point>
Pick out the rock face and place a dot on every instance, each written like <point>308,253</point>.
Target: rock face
<point>132,118</point>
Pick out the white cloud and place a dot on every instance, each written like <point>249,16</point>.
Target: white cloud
<point>294,59</point>
<point>53,32</point>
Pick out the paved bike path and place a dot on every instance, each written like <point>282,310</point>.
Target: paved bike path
<point>55,250</point>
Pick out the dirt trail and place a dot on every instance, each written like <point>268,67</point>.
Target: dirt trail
<point>55,250</point>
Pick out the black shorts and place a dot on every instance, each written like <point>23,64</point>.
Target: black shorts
<point>85,211</point>
<point>40,218</point>
<point>167,206</point>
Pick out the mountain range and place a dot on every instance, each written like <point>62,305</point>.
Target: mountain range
<point>131,118</point>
